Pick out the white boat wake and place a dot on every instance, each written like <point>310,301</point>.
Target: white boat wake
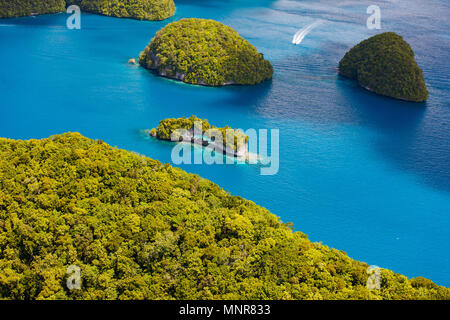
<point>302,33</point>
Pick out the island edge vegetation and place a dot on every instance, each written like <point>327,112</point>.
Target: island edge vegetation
<point>385,64</point>
<point>139,229</point>
<point>205,52</point>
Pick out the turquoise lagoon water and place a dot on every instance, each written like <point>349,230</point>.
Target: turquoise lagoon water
<point>362,173</point>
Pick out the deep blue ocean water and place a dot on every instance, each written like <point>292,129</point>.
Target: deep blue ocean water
<point>362,173</point>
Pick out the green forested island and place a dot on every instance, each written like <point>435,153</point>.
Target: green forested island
<point>168,126</point>
<point>136,9</point>
<point>385,64</point>
<point>20,8</point>
<point>205,52</point>
<point>139,229</point>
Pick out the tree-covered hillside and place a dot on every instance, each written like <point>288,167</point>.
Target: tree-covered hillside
<point>20,8</point>
<point>385,64</point>
<point>139,229</point>
<point>206,52</point>
<point>136,9</point>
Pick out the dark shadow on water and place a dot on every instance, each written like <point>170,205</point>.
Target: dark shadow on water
<point>409,138</point>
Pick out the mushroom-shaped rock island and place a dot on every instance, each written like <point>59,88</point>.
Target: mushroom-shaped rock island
<point>385,64</point>
<point>205,52</point>
<point>21,8</point>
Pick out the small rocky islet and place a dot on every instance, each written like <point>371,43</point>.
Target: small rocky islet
<point>23,8</point>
